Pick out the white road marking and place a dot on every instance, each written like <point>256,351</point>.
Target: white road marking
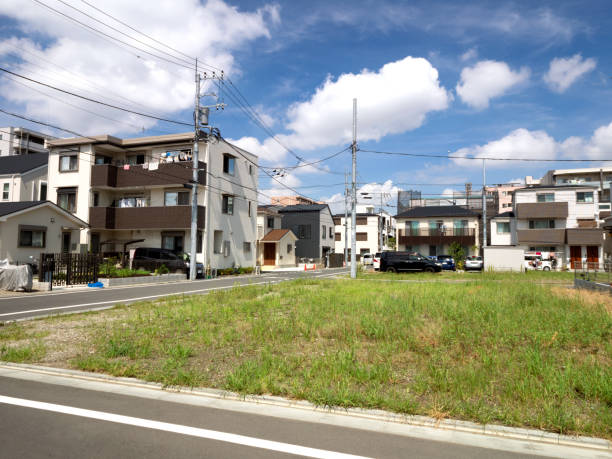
<point>123,300</point>
<point>180,429</point>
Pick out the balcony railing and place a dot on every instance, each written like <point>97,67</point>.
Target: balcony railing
<point>464,236</point>
<point>127,218</point>
<point>109,175</point>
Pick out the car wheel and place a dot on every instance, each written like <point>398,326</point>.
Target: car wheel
<point>546,268</point>
<point>429,270</point>
<point>391,270</point>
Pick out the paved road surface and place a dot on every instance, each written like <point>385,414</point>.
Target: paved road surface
<point>43,416</point>
<point>25,306</point>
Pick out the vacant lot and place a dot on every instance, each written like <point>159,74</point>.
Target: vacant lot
<point>487,350</point>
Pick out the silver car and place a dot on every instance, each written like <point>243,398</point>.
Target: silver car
<point>473,263</point>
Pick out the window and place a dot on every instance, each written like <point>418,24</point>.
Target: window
<point>289,248</point>
<point>229,164</point>
<point>173,242</point>
<point>331,232</point>
<point>66,199</point>
<point>546,197</point>
<point>5,191</point>
<point>218,241</point>
<point>43,191</point>
<point>270,222</point>
<point>68,163</point>
<point>32,236</point>
<point>226,248</point>
<point>503,227</point>
<point>96,199</point>
<point>541,224</point>
<point>199,242</point>
<point>250,169</point>
<point>304,231</point>
<point>249,208</point>
<point>228,204</point>
<point>247,247</point>
<point>338,236</point>
<point>361,236</point>
<point>176,198</point>
<point>101,159</point>
<point>135,159</point>
<point>324,232</point>
<point>584,196</point>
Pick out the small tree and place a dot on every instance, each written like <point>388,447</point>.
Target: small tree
<point>391,243</point>
<point>458,253</point>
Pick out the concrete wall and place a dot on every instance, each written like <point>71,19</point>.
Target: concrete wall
<point>504,258</point>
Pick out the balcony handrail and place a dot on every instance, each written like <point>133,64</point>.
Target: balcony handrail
<point>438,232</point>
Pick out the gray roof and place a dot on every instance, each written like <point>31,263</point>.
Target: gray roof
<point>19,164</point>
<point>302,208</point>
<point>505,215</point>
<point>437,211</point>
<point>7,208</point>
<point>554,187</point>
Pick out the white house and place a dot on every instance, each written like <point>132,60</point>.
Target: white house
<point>23,177</point>
<point>275,246</point>
<point>138,192</point>
<point>29,228</point>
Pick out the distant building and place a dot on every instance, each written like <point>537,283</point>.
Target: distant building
<point>371,225</point>
<point>291,200</point>
<point>22,141</point>
<point>504,193</point>
<point>23,177</point>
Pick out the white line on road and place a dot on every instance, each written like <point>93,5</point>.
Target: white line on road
<point>180,429</point>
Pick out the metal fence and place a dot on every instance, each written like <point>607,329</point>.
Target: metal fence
<point>68,268</point>
<point>594,272</point>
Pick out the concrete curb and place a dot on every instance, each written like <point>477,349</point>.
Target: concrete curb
<point>513,433</point>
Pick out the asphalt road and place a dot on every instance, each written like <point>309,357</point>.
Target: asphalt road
<point>43,419</point>
<point>26,306</point>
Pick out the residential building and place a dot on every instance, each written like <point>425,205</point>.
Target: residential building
<point>372,228</point>
<point>291,200</point>
<point>314,227</point>
<point>607,226</point>
<point>137,192</point>
<point>275,246</point>
<point>22,141</point>
<point>431,230</point>
<point>503,229</point>
<point>504,193</point>
<point>23,177</point>
<point>562,219</point>
<point>28,228</point>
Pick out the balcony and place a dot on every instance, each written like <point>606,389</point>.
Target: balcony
<point>108,175</point>
<point>131,218</point>
<point>436,236</point>
<point>550,210</point>
<point>541,236</point>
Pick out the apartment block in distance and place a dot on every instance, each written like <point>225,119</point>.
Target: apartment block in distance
<point>22,141</point>
<point>136,193</point>
<point>371,225</point>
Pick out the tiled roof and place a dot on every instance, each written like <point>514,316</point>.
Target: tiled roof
<point>437,211</point>
<point>7,208</point>
<point>302,208</point>
<point>275,235</point>
<point>18,164</point>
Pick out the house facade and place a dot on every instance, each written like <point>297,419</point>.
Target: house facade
<point>313,225</point>
<point>28,228</point>
<point>22,141</point>
<point>599,177</point>
<point>371,229</point>
<point>275,246</point>
<point>431,230</point>
<point>23,177</point>
<point>138,192</point>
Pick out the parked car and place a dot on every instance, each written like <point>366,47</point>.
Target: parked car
<point>540,261</point>
<point>367,259</point>
<point>406,261</point>
<point>151,258</point>
<point>446,262</point>
<point>376,261</point>
<point>473,262</point>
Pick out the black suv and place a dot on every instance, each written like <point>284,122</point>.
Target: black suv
<point>151,258</point>
<point>407,261</point>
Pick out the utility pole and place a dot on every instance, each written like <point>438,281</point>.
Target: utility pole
<point>484,206</point>
<point>354,197</point>
<point>346,198</point>
<point>381,224</point>
<point>194,181</point>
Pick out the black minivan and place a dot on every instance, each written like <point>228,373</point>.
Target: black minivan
<point>407,261</point>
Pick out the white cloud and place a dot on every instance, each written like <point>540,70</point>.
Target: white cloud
<point>392,100</point>
<point>213,30</point>
<point>599,146</point>
<point>470,54</point>
<point>563,72</point>
<point>487,80</point>
<point>387,191</point>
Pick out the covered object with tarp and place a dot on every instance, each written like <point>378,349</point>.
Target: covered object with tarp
<point>15,278</point>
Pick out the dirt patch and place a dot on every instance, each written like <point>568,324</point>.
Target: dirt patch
<point>588,297</point>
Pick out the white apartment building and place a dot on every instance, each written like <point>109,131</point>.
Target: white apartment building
<point>370,227</point>
<point>22,141</point>
<point>132,194</point>
<point>23,177</point>
<point>560,219</point>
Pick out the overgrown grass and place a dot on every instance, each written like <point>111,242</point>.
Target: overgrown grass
<point>528,276</point>
<point>493,352</point>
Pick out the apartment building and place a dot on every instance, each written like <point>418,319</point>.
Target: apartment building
<point>504,193</point>
<point>431,230</point>
<point>372,229</point>
<point>137,193</point>
<point>562,219</point>
<point>22,141</point>
<point>23,177</point>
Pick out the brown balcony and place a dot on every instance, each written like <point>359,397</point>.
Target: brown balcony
<point>435,236</point>
<point>541,236</point>
<point>130,218</point>
<point>108,175</point>
<point>534,210</point>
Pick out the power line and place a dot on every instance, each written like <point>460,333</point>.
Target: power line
<point>420,155</point>
<point>94,100</point>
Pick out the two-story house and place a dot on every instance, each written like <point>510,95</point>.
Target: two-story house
<point>313,225</point>
<point>431,230</point>
<point>23,177</point>
<point>137,193</point>
<point>562,219</point>
<point>275,246</point>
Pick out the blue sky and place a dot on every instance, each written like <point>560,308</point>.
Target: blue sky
<point>484,79</point>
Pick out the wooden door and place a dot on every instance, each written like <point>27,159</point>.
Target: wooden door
<point>576,257</point>
<point>269,253</point>
<point>593,256</point>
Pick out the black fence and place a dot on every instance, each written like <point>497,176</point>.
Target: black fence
<point>68,268</point>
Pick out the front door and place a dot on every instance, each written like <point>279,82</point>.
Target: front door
<point>592,256</point>
<point>65,242</point>
<point>575,257</point>
<point>269,253</point>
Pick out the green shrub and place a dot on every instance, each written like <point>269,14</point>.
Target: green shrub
<point>163,269</point>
